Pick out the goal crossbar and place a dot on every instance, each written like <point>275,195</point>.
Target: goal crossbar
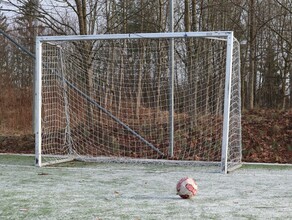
<point>207,34</point>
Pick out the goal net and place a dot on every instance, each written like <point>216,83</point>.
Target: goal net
<point>139,97</point>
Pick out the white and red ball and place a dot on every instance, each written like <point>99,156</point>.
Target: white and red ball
<point>186,188</point>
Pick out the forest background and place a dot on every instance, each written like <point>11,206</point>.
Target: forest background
<point>263,28</point>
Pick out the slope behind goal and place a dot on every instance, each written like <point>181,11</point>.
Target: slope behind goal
<point>130,97</point>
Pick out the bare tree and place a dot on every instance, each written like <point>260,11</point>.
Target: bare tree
<point>265,26</point>
<point>4,72</point>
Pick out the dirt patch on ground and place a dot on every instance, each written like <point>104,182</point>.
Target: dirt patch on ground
<point>266,137</point>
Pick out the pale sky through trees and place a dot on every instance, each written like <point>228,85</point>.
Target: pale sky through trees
<point>264,25</point>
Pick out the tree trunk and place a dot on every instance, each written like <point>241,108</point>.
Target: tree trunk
<point>140,75</point>
<point>252,37</point>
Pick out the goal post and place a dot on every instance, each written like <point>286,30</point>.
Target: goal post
<point>111,97</point>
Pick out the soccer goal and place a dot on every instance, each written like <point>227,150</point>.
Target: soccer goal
<point>149,97</point>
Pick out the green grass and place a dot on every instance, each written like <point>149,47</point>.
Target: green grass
<point>78,190</point>
<point>23,160</point>
<point>267,166</point>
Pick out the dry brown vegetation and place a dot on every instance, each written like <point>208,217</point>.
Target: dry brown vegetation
<point>16,110</point>
<point>267,134</point>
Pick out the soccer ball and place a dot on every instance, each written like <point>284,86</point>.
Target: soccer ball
<point>186,188</point>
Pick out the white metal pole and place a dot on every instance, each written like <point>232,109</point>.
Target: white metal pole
<point>227,96</point>
<point>38,103</point>
<point>171,82</point>
<point>35,24</point>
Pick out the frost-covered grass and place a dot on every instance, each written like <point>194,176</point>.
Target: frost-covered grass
<point>124,191</point>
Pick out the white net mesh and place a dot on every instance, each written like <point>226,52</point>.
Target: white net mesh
<point>110,98</point>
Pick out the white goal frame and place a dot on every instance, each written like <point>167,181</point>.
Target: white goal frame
<point>218,35</point>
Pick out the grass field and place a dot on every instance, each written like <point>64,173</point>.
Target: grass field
<point>123,191</point>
